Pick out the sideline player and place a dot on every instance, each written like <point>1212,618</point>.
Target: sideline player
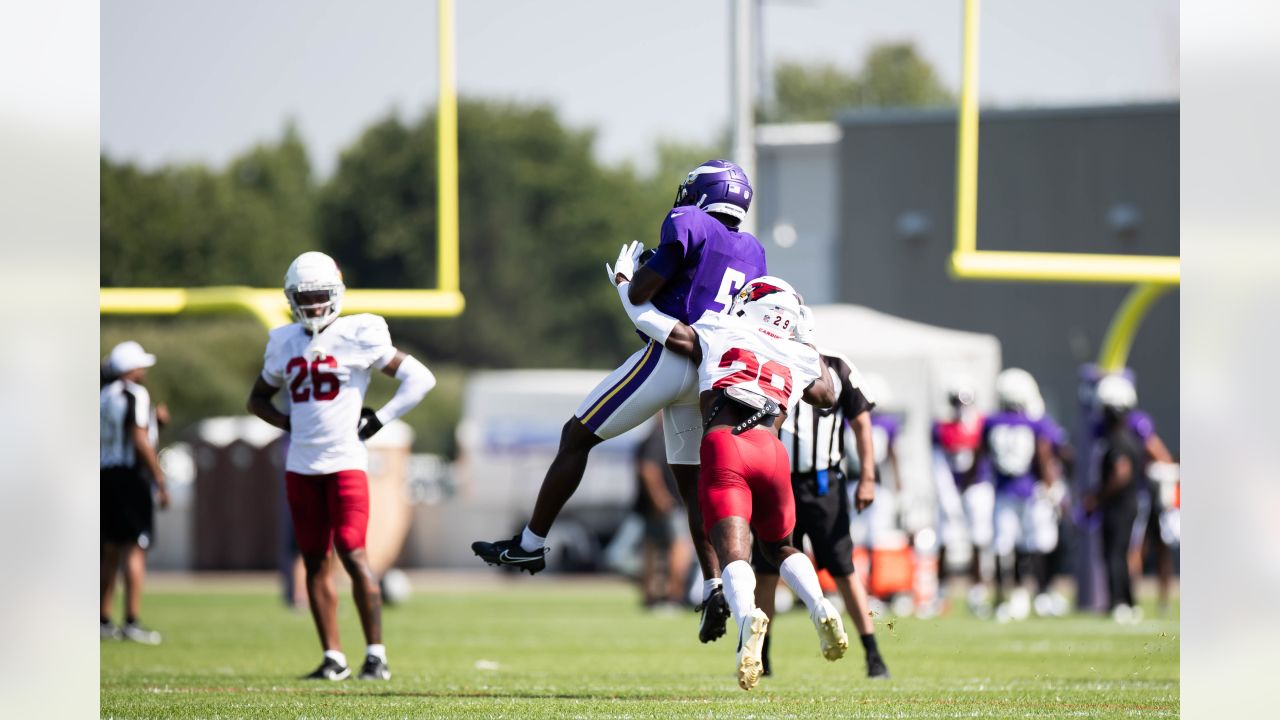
<point>955,444</point>
<point>701,261</point>
<point>1123,458</point>
<point>1016,445</point>
<point>127,455</point>
<point>754,365</point>
<point>1155,492</point>
<point>326,361</point>
<point>814,439</point>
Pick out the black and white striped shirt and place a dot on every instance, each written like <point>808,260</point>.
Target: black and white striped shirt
<point>122,405</point>
<point>814,437</point>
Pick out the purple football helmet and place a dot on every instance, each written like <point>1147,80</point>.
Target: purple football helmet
<point>717,186</point>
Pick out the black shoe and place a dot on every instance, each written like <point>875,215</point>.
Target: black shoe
<point>375,668</point>
<point>876,669</point>
<point>764,657</point>
<point>510,554</point>
<point>715,613</point>
<point>330,669</point>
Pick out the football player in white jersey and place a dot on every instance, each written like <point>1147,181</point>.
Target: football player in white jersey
<point>754,364</point>
<point>325,361</point>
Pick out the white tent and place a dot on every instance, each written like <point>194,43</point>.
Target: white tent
<point>916,361</point>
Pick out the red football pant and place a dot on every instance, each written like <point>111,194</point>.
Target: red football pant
<point>747,476</point>
<point>326,509</point>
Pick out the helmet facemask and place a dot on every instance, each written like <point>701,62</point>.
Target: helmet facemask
<point>315,305</point>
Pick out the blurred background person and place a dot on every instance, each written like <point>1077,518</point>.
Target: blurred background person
<point>1048,508</point>
<point>1021,455</point>
<point>965,508</point>
<point>129,465</point>
<point>1155,530</point>
<point>1122,462</point>
<point>815,441</point>
<point>664,547</point>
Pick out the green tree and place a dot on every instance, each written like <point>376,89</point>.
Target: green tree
<point>893,75</point>
<point>190,225</point>
<point>539,217</point>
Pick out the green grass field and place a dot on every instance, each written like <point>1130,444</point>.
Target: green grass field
<point>544,649</point>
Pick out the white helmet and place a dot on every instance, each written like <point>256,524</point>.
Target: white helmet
<point>770,304</point>
<point>1117,392</point>
<point>314,282</point>
<point>1016,390</point>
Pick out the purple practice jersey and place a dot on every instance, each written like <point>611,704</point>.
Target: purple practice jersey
<point>1009,439</point>
<point>1138,421</point>
<point>704,264</point>
<point>884,431</point>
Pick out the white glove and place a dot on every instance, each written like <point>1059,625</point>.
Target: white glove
<point>805,328</point>
<point>628,260</point>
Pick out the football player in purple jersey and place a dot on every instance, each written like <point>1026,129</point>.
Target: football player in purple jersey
<point>1020,454</point>
<point>1154,483</point>
<point>701,261</point>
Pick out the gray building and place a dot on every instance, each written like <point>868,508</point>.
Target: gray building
<point>1090,179</point>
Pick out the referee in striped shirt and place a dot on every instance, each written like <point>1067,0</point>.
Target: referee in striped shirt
<point>814,439</point>
<point>129,465</point>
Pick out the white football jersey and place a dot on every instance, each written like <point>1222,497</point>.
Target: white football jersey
<point>326,393</point>
<point>737,353</point>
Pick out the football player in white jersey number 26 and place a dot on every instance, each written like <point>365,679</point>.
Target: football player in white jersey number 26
<point>323,362</point>
<point>754,364</point>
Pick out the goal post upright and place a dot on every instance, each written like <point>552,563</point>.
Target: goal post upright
<point>268,305</point>
<point>1152,275</point>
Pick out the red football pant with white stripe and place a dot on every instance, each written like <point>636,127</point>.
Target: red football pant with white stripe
<point>747,476</point>
<point>327,509</point>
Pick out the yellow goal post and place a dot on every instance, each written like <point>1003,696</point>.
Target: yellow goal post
<point>268,305</point>
<point>1153,275</point>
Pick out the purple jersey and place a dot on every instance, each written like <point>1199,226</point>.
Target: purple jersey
<point>1138,421</point>
<point>1009,439</point>
<point>704,263</point>
<point>884,431</point>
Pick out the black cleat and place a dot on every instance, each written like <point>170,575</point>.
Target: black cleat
<point>330,669</point>
<point>715,613</point>
<point>375,668</point>
<point>509,553</point>
<point>764,657</point>
<point>876,669</point>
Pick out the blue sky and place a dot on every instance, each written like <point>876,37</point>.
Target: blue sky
<point>200,81</point>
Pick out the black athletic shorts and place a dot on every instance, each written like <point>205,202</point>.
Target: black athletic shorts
<point>824,519</point>
<point>127,509</point>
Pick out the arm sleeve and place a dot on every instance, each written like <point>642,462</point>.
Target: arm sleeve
<point>854,378</point>
<point>647,318</point>
<point>1142,425</point>
<point>140,411</point>
<point>415,382</point>
<point>667,259</point>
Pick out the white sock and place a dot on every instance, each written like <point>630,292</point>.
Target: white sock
<point>798,573</point>
<point>708,586</point>
<point>337,656</point>
<point>530,542</point>
<point>379,651</point>
<point>739,589</point>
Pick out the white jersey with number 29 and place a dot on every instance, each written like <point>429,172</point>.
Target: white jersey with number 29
<point>326,390</point>
<point>738,353</point>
